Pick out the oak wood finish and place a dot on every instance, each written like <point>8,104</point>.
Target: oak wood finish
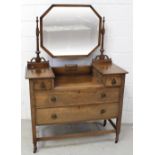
<point>84,134</point>
<point>56,98</point>
<point>108,69</point>
<point>72,93</point>
<point>76,113</point>
<point>69,70</point>
<point>60,97</point>
<point>33,116</point>
<point>39,74</point>
<point>119,117</point>
<point>45,84</point>
<point>113,81</point>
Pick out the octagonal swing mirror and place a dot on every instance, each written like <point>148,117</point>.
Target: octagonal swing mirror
<point>70,30</point>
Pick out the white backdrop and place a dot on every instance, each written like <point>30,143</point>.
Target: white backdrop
<point>118,42</point>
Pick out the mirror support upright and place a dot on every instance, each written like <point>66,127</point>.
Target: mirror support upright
<point>38,59</point>
<point>102,56</point>
<point>37,62</point>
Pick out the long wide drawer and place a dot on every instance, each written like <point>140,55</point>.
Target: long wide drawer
<point>76,113</point>
<point>79,97</point>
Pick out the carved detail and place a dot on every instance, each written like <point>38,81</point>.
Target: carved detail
<point>102,57</point>
<point>37,58</point>
<point>37,62</point>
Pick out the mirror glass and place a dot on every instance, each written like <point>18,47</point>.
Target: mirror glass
<point>70,31</point>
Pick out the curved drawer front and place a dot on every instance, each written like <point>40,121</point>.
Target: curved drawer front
<point>44,99</point>
<point>76,113</point>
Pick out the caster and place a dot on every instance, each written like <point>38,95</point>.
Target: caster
<point>104,123</point>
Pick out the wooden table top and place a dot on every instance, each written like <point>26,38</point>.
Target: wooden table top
<point>109,68</point>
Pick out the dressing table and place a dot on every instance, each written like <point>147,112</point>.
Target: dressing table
<point>73,93</point>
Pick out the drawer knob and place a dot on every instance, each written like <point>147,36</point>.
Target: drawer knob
<point>113,82</point>
<point>102,111</point>
<point>54,116</point>
<point>42,85</point>
<point>103,95</point>
<point>53,99</point>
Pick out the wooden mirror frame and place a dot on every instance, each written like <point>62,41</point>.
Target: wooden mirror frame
<point>68,5</point>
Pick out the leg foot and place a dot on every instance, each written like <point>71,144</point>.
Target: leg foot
<point>105,122</point>
<point>116,139</point>
<point>34,148</point>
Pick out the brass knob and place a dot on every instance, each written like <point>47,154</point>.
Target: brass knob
<point>103,95</point>
<point>113,82</point>
<point>42,85</point>
<point>102,111</point>
<point>54,116</point>
<point>53,99</point>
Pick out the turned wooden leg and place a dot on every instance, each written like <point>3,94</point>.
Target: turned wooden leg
<point>33,115</point>
<point>34,139</point>
<point>118,119</point>
<point>117,138</point>
<point>118,126</point>
<point>105,122</point>
<point>35,147</point>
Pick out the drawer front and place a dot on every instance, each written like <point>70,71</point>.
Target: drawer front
<point>44,84</point>
<point>112,81</point>
<point>76,113</point>
<point>45,99</point>
<point>108,81</point>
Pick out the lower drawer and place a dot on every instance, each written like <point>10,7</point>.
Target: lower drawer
<point>76,113</point>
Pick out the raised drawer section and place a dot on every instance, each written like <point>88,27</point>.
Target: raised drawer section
<point>112,81</point>
<point>76,113</point>
<point>79,97</point>
<point>107,80</point>
<point>44,84</point>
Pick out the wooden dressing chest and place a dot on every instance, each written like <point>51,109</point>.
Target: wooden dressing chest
<point>75,93</point>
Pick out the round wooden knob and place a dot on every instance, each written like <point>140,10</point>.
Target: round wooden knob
<point>53,99</point>
<point>113,82</point>
<point>102,111</point>
<point>103,95</point>
<point>54,116</point>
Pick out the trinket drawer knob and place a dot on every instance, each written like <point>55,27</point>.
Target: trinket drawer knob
<point>113,82</point>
